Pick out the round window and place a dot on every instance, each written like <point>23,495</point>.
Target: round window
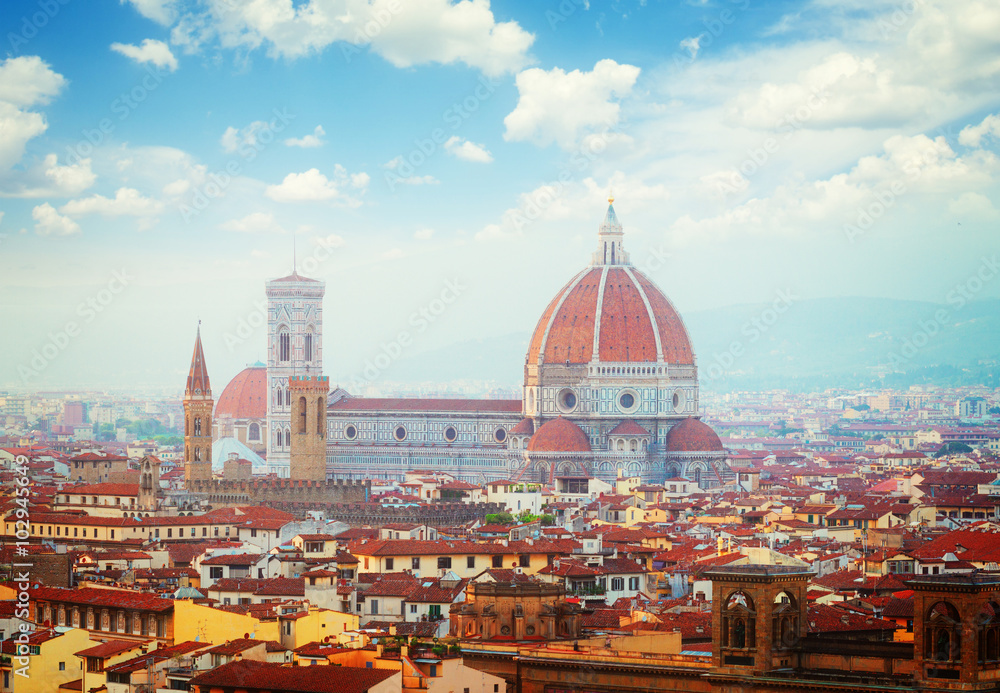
<point>500,435</point>
<point>450,434</point>
<point>351,432</point>
<point>566,400</point>
<point>627,400</point>
<point>399,433</point>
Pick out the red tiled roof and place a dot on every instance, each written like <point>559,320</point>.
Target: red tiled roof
<point>109,648</point>
<point>559,435</point>
<point>692,435</point>
<point>94,596</point>
<point>445,405</point>
<point>236,646</point>
<point>233,559</point>
<point>628,427</point>
<point>245,397</point>
<point>264,676</point>
<point>103,489</point>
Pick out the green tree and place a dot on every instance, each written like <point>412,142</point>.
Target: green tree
<point>500,519</point>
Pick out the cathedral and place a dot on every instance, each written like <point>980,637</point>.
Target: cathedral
<point>610,389</point>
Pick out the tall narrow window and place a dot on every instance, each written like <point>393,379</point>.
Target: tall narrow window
<point>309,347</point>
<point>302,414</point>
<point>197,454</point>
<point>281,398</point>
<point>319,417</point>
<point>284,347</point>
<point>197,426</point>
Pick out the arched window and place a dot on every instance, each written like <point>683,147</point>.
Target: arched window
<point>302,414</point>
<point>784,621</point>
<point>197,454</point>
<point>284,347</point>
<point>739,628</point>
<point>319,418</point>
<point>309,346</point>
<point>943,633</point>
<point>197,426</point>
<point>281,398</point>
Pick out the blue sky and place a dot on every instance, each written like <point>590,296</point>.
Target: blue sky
<point>160,156</point>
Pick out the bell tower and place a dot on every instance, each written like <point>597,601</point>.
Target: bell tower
<point>198,419</point>
<point>308,427</point>
<point>758,617</point>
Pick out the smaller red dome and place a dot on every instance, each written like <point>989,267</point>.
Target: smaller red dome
<point>559,435</point>
<point>525,428</point>
<point>691,435</point>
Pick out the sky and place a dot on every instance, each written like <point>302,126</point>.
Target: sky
<point>443,166</point>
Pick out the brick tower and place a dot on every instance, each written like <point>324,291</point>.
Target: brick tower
<point>198,419</point>
<point>308,427</point>
<point>758,617</point>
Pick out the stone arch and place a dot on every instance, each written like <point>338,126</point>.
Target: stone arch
<point>739,621</point>
<point>784,621</point>
<point>943,633</point>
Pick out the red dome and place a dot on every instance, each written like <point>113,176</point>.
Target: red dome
<point>692,435</point>
<point>634,322</point>
<point>245,397</point>
<point>559,435</point>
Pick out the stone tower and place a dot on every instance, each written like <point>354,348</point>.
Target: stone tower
<point>308,426</point>
<point>198,418</point>
<point>294,347</point>
<point>149,483</point>
<point>758,617</point>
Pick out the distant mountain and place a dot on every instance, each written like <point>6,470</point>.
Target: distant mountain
<point>808,344</point>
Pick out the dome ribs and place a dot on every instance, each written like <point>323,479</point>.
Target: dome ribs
<point>673,335</point>
<point>571,329</point>
<point>626,333</point>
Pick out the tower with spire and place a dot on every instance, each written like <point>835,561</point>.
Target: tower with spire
<point>198,405</point>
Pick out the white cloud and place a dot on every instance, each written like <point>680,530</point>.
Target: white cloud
<point>392,254</point>
<point>973,205</point>
<point>556,106</point>
<point>160,11</point>
<point>256,135</point>
<point>313,140</point>
<point>151,51</point>
<point>692,45</point>
<point>126,202</point>
<point>404,33</point>
<point>972,135</point>
<point>49,179</point>
<point>256,222</point>
<point>843,90</point>
<point>28,81</point>
<point>583,200</point>
<point>17,127</point>
<point>48,222</point>
<point>24,82</point>
<point>467,151</point>
<point>313,186</point>
<point>909,171</point>
<point>424,234</point>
